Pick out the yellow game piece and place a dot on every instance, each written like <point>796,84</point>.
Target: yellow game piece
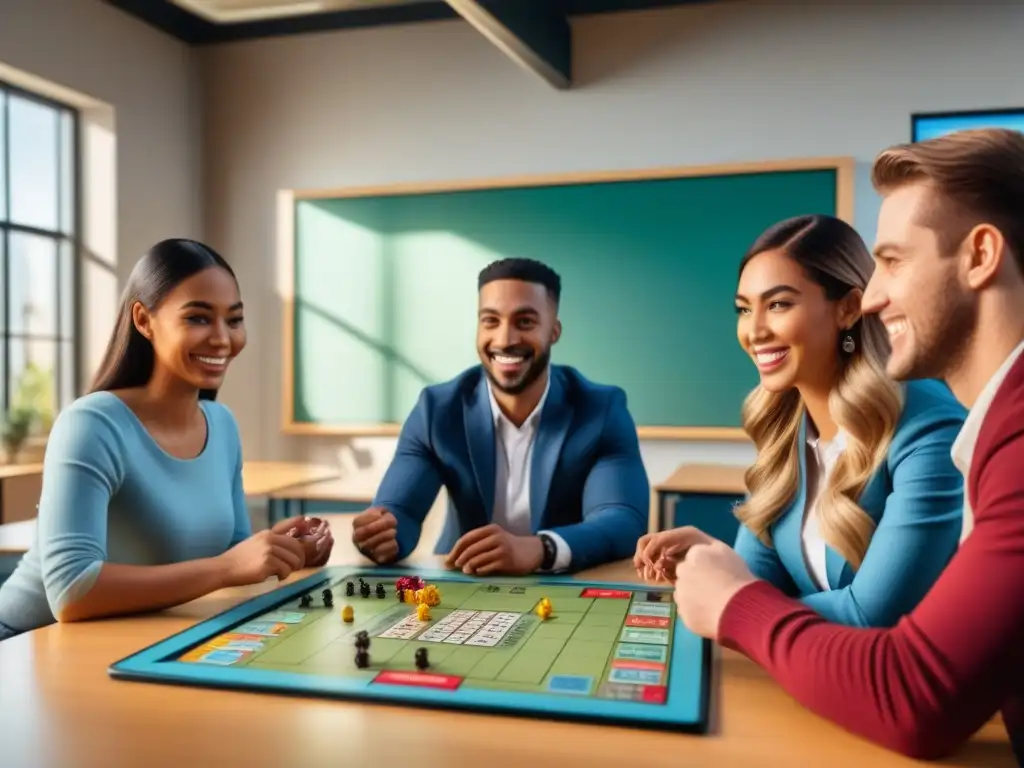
<point>423,612</point>
<point>429,595</point>
<point>346,613</point>
<point>409,596</point>
<point>544,608</point>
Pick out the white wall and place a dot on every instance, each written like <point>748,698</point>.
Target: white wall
<point>139,92</point>
<point>738,81</point>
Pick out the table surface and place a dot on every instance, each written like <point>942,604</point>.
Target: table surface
<point>704,478</point>
<point>261,478</point>
<point>356,490</point>
<point>16,538</point>
<point>60,708</point>
<point>19,470</point>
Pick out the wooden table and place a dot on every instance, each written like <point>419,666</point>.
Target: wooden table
<point>263,478</point>
<point>59,708</point>
<point>16,472</point>
<point>15,540</point>
<point>701,495</point>
<point>273,479</point>
<point>337,495</point>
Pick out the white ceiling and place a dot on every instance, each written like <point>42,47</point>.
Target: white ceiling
<point>234,11</point>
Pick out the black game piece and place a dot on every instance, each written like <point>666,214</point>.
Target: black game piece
<point>364,589</point>
<point>307,600</point>
<point>421,658</point>
<point>380,591</point>
<point>362,640</point>
<point>654,597</point>
<point>362,659</point>
<point>350,589</point>
<point>493,588</point>
<point>328,598</point>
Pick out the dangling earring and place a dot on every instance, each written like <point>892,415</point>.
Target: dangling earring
<point>848,344</point>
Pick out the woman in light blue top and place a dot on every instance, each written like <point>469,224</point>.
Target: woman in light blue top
<point>142,505</point>
<point>855,506</point>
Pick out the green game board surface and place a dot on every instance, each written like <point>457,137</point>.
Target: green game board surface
<point>614,652</point>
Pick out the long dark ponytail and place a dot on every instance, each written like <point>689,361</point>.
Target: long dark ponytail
<point>129,359</point>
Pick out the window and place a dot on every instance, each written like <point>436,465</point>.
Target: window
<point>38,260</point>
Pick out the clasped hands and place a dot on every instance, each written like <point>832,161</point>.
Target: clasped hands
<point>707,574</point>
<point>313,533</point>
<point>483,551</point>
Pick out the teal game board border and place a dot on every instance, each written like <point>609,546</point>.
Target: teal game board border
<point>686,708</point>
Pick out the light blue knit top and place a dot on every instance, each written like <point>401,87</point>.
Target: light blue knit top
<point>112,494</point>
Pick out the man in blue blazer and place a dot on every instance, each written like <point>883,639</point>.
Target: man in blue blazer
<point>542,466</point>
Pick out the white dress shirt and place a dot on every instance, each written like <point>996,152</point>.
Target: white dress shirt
<point>513,456</point>
<point>821,460</point>
<point>963,446</point>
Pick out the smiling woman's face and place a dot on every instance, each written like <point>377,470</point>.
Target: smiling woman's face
<point>786,323</point>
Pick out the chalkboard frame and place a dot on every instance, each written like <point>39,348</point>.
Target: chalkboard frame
<point>288,199</point>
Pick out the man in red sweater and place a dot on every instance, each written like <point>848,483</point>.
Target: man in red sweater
<point>949,285</point>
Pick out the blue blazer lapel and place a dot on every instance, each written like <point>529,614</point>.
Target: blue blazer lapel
<point>479,426</point>
<point>788,534</point>
<point>551,433</point>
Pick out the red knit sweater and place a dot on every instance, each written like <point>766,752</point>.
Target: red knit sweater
<point>925,686</point>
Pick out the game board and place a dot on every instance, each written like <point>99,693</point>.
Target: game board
<point>613,653</point>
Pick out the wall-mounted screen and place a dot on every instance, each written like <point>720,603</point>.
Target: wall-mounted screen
<point>928,126</point>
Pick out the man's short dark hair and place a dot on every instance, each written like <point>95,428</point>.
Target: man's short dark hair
<point>527,270</point>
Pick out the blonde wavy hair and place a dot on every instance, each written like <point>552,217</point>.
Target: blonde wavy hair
<point>865,402</point>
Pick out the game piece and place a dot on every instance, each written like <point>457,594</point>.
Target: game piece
<point>364,589</point>
<point>306,601</point>
<point>429,595</point>
<point>347,614</point>
<point>350,589</point>
<point>400,594</point>
<point>640,669</point>
<point>409,582</point>
<point>328,598</point>
<point>380,591</point>
<point>544,608</point>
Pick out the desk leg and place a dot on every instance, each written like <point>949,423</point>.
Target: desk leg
<point>666,509</point>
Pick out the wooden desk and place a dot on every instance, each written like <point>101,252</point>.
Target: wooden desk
<point>60,708</point>
<point>334,496</point>
<point>29,475</point>
<point>15,540</point>
<point>273,478</point>
<point>701,495</point>
<point>262,478</point>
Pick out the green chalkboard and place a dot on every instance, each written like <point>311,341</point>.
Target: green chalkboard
<point>383,288</point>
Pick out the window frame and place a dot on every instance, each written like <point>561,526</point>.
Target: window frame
<point>72,240</point>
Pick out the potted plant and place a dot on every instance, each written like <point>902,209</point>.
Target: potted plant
<point>16,430</point>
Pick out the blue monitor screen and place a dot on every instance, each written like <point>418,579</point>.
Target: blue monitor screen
<point>930,126</point>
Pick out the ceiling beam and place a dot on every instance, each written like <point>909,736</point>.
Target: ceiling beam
<point>530,32</point>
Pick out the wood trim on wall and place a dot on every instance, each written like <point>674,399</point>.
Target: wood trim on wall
<point>844,167</point>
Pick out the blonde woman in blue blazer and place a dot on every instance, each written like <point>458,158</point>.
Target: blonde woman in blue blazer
<point>854,504</point>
